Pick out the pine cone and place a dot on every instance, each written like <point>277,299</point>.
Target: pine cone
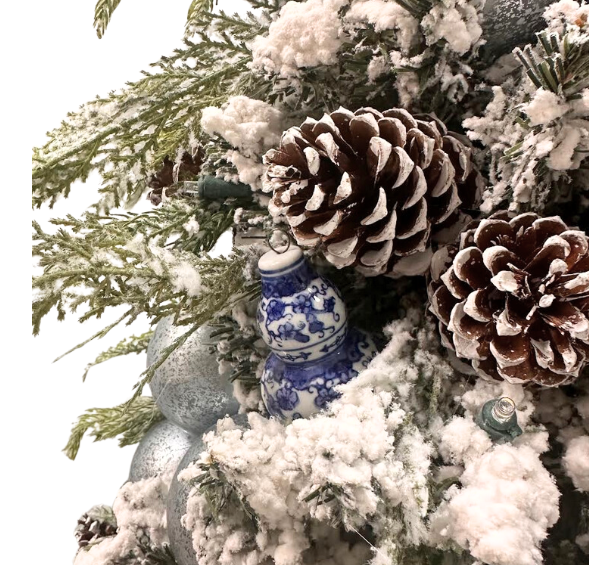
<point>187,169</point>
<point>513,298</point>
<point>373,189</point>
<point>98,522</point>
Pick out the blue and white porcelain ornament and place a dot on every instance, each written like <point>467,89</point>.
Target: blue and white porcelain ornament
<point>303,320</point>
<point>187,387</point>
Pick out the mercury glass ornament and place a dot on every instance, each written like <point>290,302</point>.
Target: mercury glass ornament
<point>498,418</point>
<point>508,23</point>
<point>180,537</point>
<point>160,450</point>
<point>187,387</point>
<point>303,320</point>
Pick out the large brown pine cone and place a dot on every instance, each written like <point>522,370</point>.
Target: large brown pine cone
<point>373,189</point>
<point>513,298</point>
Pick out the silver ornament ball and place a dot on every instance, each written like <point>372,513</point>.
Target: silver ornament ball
<point>180,537</point>
<point>508,23</point>
<point>161,449</point>
<point>187,387</point>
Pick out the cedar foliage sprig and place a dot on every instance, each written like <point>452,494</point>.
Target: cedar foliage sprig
<point>103,12</point>
<point>104,261</point>
<point>133,344</point>
<point>127,134</point>
<point>226,282</point>
<point>130,421</point>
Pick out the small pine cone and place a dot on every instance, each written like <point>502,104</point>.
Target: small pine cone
<point>513,298</point>
<point>99,522</point>
<point>170,173</point>
<point>373,189</point>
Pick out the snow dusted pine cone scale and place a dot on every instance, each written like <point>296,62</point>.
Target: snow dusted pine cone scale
<point>373,189</point>
<point>513,298</point>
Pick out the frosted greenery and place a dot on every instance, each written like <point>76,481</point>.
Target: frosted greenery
<point>396,471</point>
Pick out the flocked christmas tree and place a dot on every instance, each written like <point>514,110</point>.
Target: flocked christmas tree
<point>410,388</point>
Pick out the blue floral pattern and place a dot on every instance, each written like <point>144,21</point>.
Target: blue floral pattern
<point>275,310</point>
<point>302,318</point>
<point>289,283</point>
<point>301,389</point>
<point>314,316</point>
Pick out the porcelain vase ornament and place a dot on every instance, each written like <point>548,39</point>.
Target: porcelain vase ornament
<point>303,320</point>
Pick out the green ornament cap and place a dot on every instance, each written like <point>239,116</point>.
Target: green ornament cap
<point>214,188</point>
<point>498,418</point>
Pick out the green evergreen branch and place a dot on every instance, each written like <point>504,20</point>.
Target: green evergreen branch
<point>98,262</point>
<point>127,135</point>
<point>102,14</point>
<point>225,286</point>
<point>559,64</point>
<point>158,555</point>
<point>244,350</point>
<point>195,11</point>
<point>220,494</point>
<point>98,335</point>
<point>130,421</point>
<point>134,344</point>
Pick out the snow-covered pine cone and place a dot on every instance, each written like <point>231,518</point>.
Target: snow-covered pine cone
<point>373,189</point>
<point>99,522</point>
<point>513,298</point>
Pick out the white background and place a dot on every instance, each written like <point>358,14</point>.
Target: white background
<point>55,62</point>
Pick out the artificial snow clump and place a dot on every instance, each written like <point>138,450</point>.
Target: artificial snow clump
<point>181,266</point>
<point>140,511</point>
<point>305,34</point>
<point>576,462</point>
<point>456,22</point>
<point>537,135</point>
<point>365,460</point>
<point>383,16</point>
<point>191,227</point>
<point>566,12</point>
<point>462,441</point>
<point>507,502</point>
<point>544,107</point>
<point>251,127</point>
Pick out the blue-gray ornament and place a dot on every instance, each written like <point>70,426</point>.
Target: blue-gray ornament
<point>187,387</point>
<point>180,537</point>
<point>161,449</point>
<point>508,23</point>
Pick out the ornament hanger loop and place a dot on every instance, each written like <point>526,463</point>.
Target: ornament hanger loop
<point>283,234</point>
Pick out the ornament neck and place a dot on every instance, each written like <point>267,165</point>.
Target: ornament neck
<point>284,274</point>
